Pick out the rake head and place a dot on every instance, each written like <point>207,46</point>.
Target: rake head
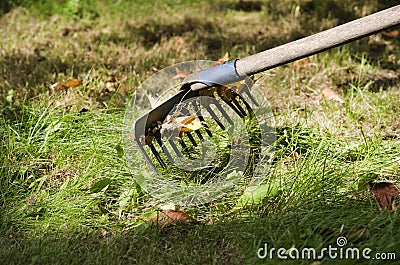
<point>161,136</point>
<point>201,136</point>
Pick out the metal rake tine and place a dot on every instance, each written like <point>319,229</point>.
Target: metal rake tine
<point>223,112</point>
<point>146,156</point>
<point>208,131</point>
<point>191,138</point>
<point>175,148</point>
<point>199,135</point>
<point>165,150</point>
<point>157,155</point>
<point>245,103</point>
<point>245,89</point>
<point>205,125</point>
<point>201,118</point>
<point>238,112</point>
<point>182,143</point>
<point>215,118</point>
<point>234,100</point>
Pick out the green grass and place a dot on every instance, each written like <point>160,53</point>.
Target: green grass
<point>67,194</point>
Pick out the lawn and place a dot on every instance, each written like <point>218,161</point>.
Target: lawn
<point>68,195</point>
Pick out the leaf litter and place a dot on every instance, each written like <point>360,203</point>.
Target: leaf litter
<point>386,194</point>
<point>169,217</point>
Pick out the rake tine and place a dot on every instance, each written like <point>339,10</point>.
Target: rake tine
<point>238,112</point>
<point>191,138</point>
<point>205,125</point>
<point>245,103</point>
<point>199,135</point>
<point>175,148</point>
<point>234,100</point>
<point>157,155</point>
<point>146,156</point>
<point>165,150</point>
<point>215,118</point>
<point>226,116</point>
<point>201,118</point>
<point>184,146</point>
<point>246,90</point>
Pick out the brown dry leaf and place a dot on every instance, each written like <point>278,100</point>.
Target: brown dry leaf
<point>172,127</point>
<point>191,123</point>
<point>225,93</point>
<point>73,82</point>
<point>168,217</point>
<point>209,92</point>
<point>385,194</point>
<point>180,74</point>
<point>329,94</point>
<point>141,25</point>
<point>225,58</point>
<point>391,34</point>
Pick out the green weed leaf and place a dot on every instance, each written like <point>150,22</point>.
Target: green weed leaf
<point>100,185</point>
<point>255,195</point>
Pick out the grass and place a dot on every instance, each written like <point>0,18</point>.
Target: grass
<point>67,193</point>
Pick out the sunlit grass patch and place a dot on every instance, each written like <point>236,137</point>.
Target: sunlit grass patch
<point>67,194</point>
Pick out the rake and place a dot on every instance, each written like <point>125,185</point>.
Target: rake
<point>210,87</point>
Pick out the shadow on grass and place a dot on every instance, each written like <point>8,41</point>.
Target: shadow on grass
<point>211,33</point>
<point>230,242</point>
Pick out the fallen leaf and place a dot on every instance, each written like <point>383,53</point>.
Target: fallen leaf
<point>173,126</point>
<point>180,74</point>
<point>73,82</point>
<point>225,93</point>
<point>141,25</point>
<point>191,123</point>
<point>168,217</point>
<point>391,34</point>
<point>225,58</point>
<point>385,194</point>
<point>171,129</point>
<point>148,139</point>
<point>329,94</point>
<point>208,92</point>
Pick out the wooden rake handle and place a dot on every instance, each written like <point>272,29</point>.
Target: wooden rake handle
<point>296,50</point>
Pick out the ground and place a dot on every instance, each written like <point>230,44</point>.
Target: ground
<point>67,194</point>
